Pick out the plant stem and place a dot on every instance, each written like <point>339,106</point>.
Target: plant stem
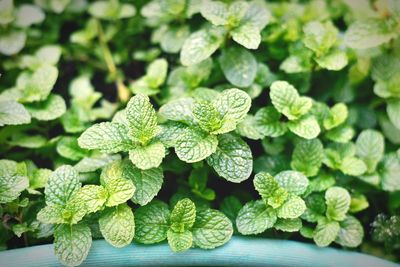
<point>123,91</point>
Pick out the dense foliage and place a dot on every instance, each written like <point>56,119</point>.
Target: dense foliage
<point>191,121</point>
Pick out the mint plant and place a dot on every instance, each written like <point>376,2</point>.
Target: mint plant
<point>189,122</point>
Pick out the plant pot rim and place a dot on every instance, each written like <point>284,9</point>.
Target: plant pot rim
<point>239,251</point>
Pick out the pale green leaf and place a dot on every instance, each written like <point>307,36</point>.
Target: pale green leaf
<point>351,233</point>
<point>201,45</point>
<point>393,111</point>
<point>68,148</point>
<point>335,60</point>
<point>239,66</point>
<point>179,242</point>
<point>194,145</point>
<point>13,113</point>
<point>338,203</point>
<point>62,185</point>
<point>108,137</point>
<point>184,213</point>
<point>53,214</point>
<point>72,243</point>
<point>147,157</point>
<point>51,108</point>
<point>390,173</point>
<point>288,225</point>
<point>326,232</point>
<point>215,12</point>
<point>370,148</point>
<point>232,159</point>
<point>337,115</point>
<point>306,127</point>
<point>247,35</point>
<point>211,229</point>
<point>294,182</point>
<point>178,110</point>
<point>206,116</point>
<point>13,42</point>
<point>152,222</point>
<point>27,15</point>
<point>255,217</point>
<point>292,208</point>
<point>307,157</point>
<point>117,225</point>
<point>37,87</point>
<point>268,122</point>
<point>353,166</point>
<point>93,196</point>
<point>142,119</point>
<point>233,104</point>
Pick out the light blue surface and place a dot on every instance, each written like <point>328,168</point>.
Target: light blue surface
<point>240,251</point>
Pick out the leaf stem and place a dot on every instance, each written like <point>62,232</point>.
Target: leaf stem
<point>123,91</point>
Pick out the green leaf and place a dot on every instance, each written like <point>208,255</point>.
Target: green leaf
<point>111,10</point>
<point>319,37</point>
<point>326,232</point>
<point>152,222</point>
<point>147,182</point>
<point>108,137</point>
<point>211,229</point>
<point>194,145</point>
<point>351,233</point>
<point>249,128</point>
<point>255,217</point>
<point>27,15</point>
<point>294,182</point>
<point>95,162</point>
<point>93,196</point>
<point>337,115</point>
<point>156,73</point>
<point>184,213</point>
<point>53,214</point>
<point>338,203</point>
<point>6,12</point>
<point>247,35</point>
<point>269,189</point>
<point>179,242</point>
<point>335,60</point>
<point>119,188</point>
<point>215,12</point>
<point>306,127</point>
<point>72,243</point>
<point>239,66</point>
<point>37,87</point>
<point>292,208</point>
<point>62,184</point>
<point>68,148</point>
<point>51,108</point>
<point>307,157</point>
<point>390,173</point>
<point>370,147</point>
<point>393,111</point>
<point>268,122</point>
<point>232,159</point>
<point>173,39</point>
<point>353,166</point>
<point>178,110</point>
<point>201,45</point>
<point>230,206</point>
<point>368,33</point>
<point>288,225</point>
<point>142,119</point>
<point>38,178</point>
<point>13,113</point>
<point>147,157</point>
<point>206,116</point>
<point>117,225</point>
<point>287,101</point>
<point>233,104</point>
<point>12,42</point>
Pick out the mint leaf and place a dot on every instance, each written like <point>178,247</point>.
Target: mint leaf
<point>337,115</point>
<point>12,42</point>
<point>370,147</point>
<point>178,110</point>
<point>108,137</point>
<point>335,60</point>
<point>233,104</point>
<point>179,241</point>
<point>292,208</point>
<point>389,173</point>
<point>337,203</point>
<point>194,145</point>
<point>13,113</point>
<point>51,108</point>
<point>62,184</point>
<point>142,119</point>
<point>393,111</point>
<point>294,182</point>
<point>147,157</point>
<point>247,35</point>
<point>117,225</point>
<point>53,214</point>
<point>255,217</point>
<point>68,148</point>
<point>288,225</point>
<point>201,45</point>
<point>326,232</point>
<point>239,66</point>
<point>268,122</point>
<point>368,33</point>
<point>152,222</point>
<point>211,229</point>
<point>306,127</point>
<point>12,181</point>
<point>307,157</point>
<point>72,243</point>
<point>351,233</point>
<point>232,159</point>
<point>93,196</point>
<point>206,116</point>
<point>215,11</point>
<point>183,215</point>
